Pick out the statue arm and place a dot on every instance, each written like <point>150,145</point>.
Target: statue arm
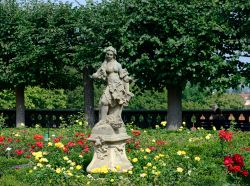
<point>101,72</point>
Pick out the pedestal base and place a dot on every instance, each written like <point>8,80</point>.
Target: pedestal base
<point>109,155</point>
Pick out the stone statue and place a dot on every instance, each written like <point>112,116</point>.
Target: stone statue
<point>117,94</point>
<point>109,134</point>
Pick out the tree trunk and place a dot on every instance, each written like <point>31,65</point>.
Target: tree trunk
<point>174,117</point>
<point>88,96</point>
<point>20,106</point>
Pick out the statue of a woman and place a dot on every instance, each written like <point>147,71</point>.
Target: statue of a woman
<point>109,134</point>
<point>116,94</point>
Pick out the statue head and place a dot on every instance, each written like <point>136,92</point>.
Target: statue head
<point>110,53</point>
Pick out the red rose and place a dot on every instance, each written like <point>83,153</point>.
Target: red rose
<point>71,144</point>
<point>65,149</point>
<point>238,159</point>
<point>237,168</point>
<point>1,139</point>
<point>137,144</point>
<point>225,135</point>
<point>136,132</point>
<point>152,148</point>
<point>130,140</point>
<point>10,139</point>
<point>160,142</point>
<point>245,173</point>
<point>39,144</point>
<point>86,149</point>
<point>38,137</point>
<point>247,149</point>
<point>19,152</point>
<point>56,140</point>
<point>230,168</point>
<point>80,142</point>
<point>77,134</point>
<point>228,161</point>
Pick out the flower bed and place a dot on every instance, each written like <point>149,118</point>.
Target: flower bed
<point>159,157</point>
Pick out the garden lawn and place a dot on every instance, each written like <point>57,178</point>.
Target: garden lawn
<point>159,157</point>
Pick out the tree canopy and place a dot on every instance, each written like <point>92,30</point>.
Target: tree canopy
<point>192,41</point>
<point>168,43</point>
<point>34,44</point>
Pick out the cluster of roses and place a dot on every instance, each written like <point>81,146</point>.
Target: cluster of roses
<point>235,164</point>
<point>134,143</point>
<point>80,141</point>
<point>26,151</point>
<point>225,135</point>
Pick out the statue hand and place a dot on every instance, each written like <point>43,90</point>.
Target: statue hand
<point>93,76</point>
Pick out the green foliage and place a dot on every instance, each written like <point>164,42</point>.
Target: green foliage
<point>149,100</point>
<point>224,101</point>
<point>188,42</point>
<point>194,97</point>
<point>36,97</point>
<point>34,44</point>
<point>7,99</point>
<point>75,97</point>
<point>2,121</point>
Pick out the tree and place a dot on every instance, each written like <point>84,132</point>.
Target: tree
<point>183,41</point>
<point>34,48</point>
<point>15,45</point>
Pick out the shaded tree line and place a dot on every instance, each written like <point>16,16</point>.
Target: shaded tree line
<point>192,99</point>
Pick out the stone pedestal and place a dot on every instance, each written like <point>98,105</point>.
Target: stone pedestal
<point>109,148</point>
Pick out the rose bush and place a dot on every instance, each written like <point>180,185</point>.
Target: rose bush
<point>159,157</point>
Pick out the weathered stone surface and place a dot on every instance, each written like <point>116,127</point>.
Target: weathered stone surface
<point>109,134</point>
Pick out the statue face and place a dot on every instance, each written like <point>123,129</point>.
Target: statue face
<point>109,55</point>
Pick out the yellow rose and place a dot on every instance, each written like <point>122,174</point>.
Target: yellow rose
<point>78,167</point>
<point>149,164</point>
<point>134,160</point>
<point>65,158</point>
<point>179,169</point>
<point>197,158</point>
<point>164,123</point>
<point>118,167</point>
<point>39,165</point>
<point>143,175</point>
<point>43,160</point>
<point>58,170</point>
<point>50,144</point>
<point>59,145</point>
<point>147,150</point>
